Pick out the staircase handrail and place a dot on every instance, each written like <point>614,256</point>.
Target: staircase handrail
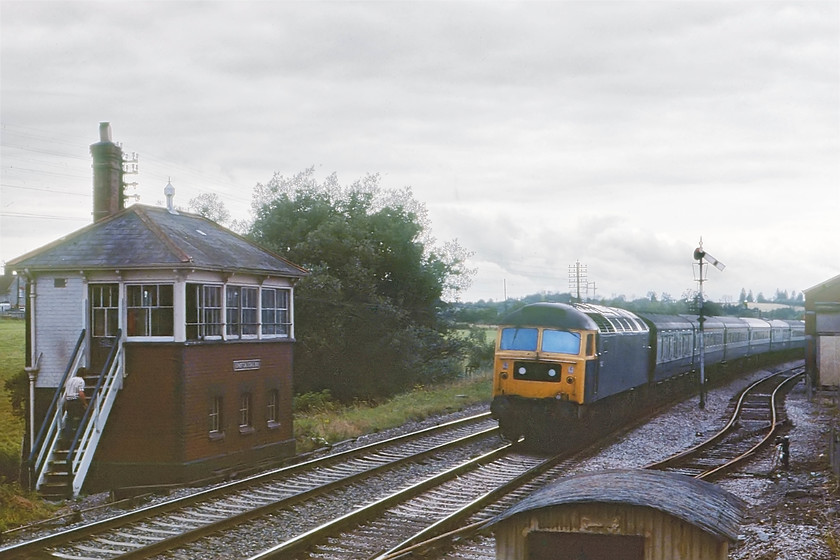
<point>89,431</point>
<point>50,425</point>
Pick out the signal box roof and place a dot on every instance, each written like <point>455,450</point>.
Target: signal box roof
<point>144,237</point>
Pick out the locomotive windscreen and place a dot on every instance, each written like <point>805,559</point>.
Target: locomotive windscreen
<point>519,339</point>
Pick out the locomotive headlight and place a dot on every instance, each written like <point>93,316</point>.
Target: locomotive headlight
<point>552,372</point>
<point>570,380</point>
<point>571,369</point>
<point>522,370</point>
<point>504,365</point>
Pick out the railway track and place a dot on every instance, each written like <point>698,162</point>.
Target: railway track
<point>155,529</point>
<point>755,419</point>
<point>443,508</point>
<point>757,416</point>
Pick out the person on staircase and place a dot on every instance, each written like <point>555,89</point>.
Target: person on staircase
<point>75,402</point>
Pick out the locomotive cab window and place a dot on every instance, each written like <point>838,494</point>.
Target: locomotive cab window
<point>561,342</point>
<point>518,339</point>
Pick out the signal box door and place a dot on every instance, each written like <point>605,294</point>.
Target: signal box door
<point>104,303</point>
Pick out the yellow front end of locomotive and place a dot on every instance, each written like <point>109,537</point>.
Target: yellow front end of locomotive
<point>542,363</point>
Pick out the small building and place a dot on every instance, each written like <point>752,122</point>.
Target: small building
<point>12,293</point>
<point>822,329</point>
<point>185,330</point>
<point>627,514</point>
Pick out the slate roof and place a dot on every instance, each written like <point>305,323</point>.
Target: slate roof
<point>143,237</point>
<point>697,502</point>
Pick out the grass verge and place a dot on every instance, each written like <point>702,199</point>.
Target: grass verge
<point>11,364</point>
<point>329,423</point>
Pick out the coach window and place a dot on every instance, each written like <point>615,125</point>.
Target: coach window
<point>149,310</point>
<point>204,311</point>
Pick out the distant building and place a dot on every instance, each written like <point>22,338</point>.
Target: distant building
<point>12,292</point>
<point>185,329</point>
<point>822,327</point>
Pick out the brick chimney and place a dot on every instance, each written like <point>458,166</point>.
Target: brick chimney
<point>108,195</point>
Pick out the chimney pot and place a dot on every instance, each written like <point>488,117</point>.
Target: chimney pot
<point>104,132</point>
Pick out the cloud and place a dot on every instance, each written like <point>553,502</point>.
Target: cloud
<point>538,134</point>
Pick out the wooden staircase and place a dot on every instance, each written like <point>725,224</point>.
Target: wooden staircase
<point>56,483</point>
<point>59,462</point>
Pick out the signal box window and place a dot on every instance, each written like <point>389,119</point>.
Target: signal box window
<point>216,418</point>
<point>271,408</point>
<point>275,312</point>
<point>241,311</point>
<point>104,309</point>
<point>149,310</point>
<point>204,311</point>
<point>245,411</point>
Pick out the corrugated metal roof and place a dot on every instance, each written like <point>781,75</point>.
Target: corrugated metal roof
<point>702,504</point>
<point>150,237</point>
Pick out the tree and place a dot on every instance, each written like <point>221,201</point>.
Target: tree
<point>211,207</point>
<point>743,297</point>
<point>368,315</point>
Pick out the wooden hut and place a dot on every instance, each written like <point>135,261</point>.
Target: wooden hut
<point>631,515</point>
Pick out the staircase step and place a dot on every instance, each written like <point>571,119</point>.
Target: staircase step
<point>58,491</point>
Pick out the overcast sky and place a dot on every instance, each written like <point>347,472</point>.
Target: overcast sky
<point>537,134</point>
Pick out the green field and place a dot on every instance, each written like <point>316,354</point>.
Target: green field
<point>11,363</point>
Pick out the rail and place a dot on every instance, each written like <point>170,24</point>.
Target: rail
<point>276,489</point>
<point>705,449</point>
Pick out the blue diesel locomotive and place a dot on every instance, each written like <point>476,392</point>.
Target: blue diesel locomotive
<point>563,372</point>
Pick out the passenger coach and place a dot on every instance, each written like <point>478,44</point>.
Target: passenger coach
<point>564,370</point>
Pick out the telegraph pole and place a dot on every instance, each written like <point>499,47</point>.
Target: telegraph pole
<point>577,276</point>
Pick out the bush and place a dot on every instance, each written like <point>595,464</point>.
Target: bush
<point>321,401</point>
